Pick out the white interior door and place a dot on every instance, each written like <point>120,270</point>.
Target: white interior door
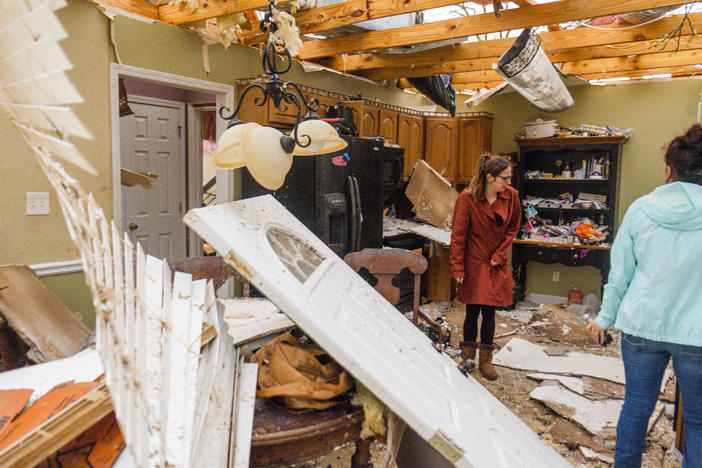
<point>152,140</point>
<point>368,336</point>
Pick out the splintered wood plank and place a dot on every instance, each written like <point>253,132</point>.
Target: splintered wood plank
<point>140,449</point>
<point>212,448</point>
<point>244,400</point>
<point>574,384</point>
<point>456,28</point>
<point>193,342</point>
<point>251,318</point>
<point>152,379</point>
<point>208,365</point>
<point>175,355</point>
<point>128,415</point>
<point>74,410</point>
<point>38,317</point>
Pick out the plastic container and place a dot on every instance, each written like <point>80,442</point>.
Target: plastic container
<point>575,296</point>
<point>540,129</point>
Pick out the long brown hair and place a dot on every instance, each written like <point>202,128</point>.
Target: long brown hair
<point>487,164</point>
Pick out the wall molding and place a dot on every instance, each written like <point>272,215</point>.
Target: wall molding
<point>57,268</point>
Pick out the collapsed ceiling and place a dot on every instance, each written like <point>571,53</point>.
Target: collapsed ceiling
<point>595,39</point>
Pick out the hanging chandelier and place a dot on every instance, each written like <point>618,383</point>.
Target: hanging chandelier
<point>266,151</point>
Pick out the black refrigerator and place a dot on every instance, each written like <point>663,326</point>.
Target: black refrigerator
<point>338,196</point>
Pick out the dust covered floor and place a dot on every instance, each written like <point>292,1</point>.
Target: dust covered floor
<point>513,387</point>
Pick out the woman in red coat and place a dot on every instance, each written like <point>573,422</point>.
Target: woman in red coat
<point>485,222</point>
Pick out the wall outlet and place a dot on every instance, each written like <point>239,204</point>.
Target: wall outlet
<point>37,203</point>
<point>556,275</point>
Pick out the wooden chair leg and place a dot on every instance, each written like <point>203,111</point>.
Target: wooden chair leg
<point>361,458</point>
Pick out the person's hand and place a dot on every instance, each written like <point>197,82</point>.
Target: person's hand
<point>596,332</point>
<point>459,279</point>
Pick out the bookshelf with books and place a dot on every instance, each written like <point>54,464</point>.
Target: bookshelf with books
<point>564,180</point>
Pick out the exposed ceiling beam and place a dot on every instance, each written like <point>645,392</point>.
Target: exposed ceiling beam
<point>135,7</point>
<point>175,14</point>
<point>609,65</point>
<point>547,13</point>
<point>600,66</point>
<point>568,55</point>
<point>355,11</point>
<point>523,3</point>
<point>572,38</point>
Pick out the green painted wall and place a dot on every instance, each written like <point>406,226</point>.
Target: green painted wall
<point>39,239</point>
<point>657,111</point>
<point>72,290</point>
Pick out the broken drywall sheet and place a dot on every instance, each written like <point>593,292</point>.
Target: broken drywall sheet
<point>521,354</point>
<point>244,400</point>
<point>82,367</point>
<point>250,318</point>
<point>364,333</point>
<point>442,236</point>
<point>432,196</point>
<point>563,326</point>
<point>574,384</point>
<point>38,317</point>
<point>593,455</point>
<point>597,417</point>
<point>570,434</point>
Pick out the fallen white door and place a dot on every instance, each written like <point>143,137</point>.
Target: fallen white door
<point>368,337</point>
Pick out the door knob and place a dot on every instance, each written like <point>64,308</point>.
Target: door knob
<point>132,226</point>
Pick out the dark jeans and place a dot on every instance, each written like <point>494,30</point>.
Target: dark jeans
<point>644,364</point>
<point>470,324</point>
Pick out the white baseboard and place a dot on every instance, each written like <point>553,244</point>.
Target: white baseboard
<point>545,299</point>
<point>57,268</point>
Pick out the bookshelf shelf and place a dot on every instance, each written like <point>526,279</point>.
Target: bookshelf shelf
<point>550,155</point>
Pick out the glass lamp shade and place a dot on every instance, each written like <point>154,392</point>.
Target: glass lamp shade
<point>266,160</point>
<point>324,137</point>
<point>229,153</point>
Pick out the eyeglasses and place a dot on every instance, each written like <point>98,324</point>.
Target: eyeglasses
<point>505,178</point>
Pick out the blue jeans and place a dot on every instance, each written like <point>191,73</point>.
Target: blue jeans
<point>644,364</point>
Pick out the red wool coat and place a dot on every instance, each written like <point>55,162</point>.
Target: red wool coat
<point>476,239</point>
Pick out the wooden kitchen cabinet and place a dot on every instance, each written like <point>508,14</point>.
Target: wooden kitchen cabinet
<point>474,140</point>
<point>250,112</point>
<point>441,145</point>
<point>366,118</point>
<point>410,136</point>
<point>387,125</point>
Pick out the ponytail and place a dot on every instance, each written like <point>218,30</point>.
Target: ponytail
<point>487,164</point>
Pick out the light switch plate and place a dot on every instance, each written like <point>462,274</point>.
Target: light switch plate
<point>37,203</point>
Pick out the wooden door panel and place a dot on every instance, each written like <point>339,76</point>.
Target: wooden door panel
<point>441,146</point>
<point>410,136</point>
<point>388,125</point>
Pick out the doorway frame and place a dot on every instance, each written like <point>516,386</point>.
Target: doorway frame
<point>224,95</point>
<point>183,152</point>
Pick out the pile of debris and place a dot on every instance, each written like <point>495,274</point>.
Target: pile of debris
<point>565,388</point>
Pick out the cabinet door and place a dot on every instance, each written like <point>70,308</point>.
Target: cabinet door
<point>388,125</point>
<point>474,140</point>
<point>370,116</point>
<point>285,117</point>
<point>324,103</point>
<point>249,112</point>
<point>410,136</point>
<point>440,145</point>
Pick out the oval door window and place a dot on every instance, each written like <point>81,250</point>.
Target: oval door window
<point>300,258</point>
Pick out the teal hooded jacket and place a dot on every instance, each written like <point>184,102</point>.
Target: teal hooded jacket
<point>654,289</point>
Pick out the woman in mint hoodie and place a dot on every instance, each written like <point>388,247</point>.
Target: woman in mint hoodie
<point>654,297</point>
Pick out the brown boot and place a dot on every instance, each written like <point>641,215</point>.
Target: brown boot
<point>485,361</point>
<point>468,354</point>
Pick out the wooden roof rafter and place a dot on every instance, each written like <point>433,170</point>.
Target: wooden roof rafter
<point>567,55</point>
<point>550,41</point>
<point>518,18</point>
